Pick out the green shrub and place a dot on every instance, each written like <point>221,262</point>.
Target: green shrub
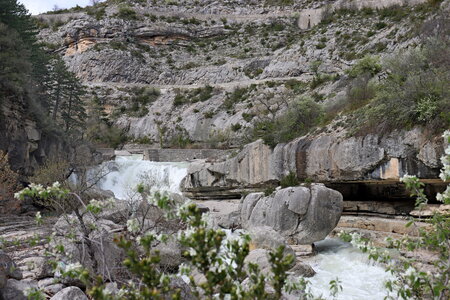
<point>209,114</point>
<point>278,2</point>
<point>278,27</point>
<point>380,25</point>
<point>238,95</point>
<point>97,12</point>
<point>247,117</point>
<point>236,127</point>
<point>117,45</point>
<point>320,45</point>
<point>299,87</point>
<point>416,90</point>
<point>140,99</point>
<point>127,13</point>
<point>269,191</point>
<point>179,100</point>
<point>360,92</point>
<point>368,65</point>
<point>301,117</point>
<point>289,180</point>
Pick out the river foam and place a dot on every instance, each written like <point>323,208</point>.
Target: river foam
<point>360,278</point>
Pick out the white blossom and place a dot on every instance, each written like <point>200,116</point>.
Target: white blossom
<point>133,225</point>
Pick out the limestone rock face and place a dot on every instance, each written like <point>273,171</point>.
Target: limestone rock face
<point>325,157</point>
<point>302,214</point>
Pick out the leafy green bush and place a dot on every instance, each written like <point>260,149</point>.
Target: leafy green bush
<point>141,98</point>
<point>302,116</point>
<point>278,2</point>
<point>416,90</point>
<point>367,65</point>
<point>98,12</point>
<point>117,45</point>
<point>298,87</point>
<point>127,13</point>
<point>360,92</point>
<point>289,180</point>
<point>192,96</point>
<point>380,25</point>
<point>247,117</point>
<point>236,127</point>
<point>238,95</point>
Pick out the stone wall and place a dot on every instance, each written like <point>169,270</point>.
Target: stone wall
<point>175,155</point>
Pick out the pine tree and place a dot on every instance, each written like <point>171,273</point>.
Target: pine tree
<point>64,93</point>
<point>73,112</point>
<point>14,65</point>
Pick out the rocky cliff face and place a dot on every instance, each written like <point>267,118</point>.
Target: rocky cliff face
<point>218,65</point>
<point>23,140</point>
<point>327,157</point>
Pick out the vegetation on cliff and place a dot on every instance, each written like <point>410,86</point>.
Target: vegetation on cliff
<point>36,79</point>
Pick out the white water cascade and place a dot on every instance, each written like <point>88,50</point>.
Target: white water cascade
<point>126,172</point>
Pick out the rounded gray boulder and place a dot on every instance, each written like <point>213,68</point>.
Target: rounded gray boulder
<point>302,214</point>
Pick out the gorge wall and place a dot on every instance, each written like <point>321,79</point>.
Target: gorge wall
<point>207,71</point>
<point>364,168</point>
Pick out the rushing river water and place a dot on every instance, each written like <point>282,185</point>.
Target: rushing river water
<point>360,279</point>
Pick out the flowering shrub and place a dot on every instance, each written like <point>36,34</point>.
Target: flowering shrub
<point>207,250</point>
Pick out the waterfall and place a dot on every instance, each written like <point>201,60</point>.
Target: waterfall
<point>122,175</point>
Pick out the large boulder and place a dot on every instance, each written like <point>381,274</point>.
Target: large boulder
<point>38,267</point>
<point>259,257</point>
<point>265,237</point>
<point>302,214</point>
<point>72,293</point>
<point>17,289</point>
<point>8,269</point>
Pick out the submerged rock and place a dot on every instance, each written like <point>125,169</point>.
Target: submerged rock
<point>303,214</point>
<point>260,257</point>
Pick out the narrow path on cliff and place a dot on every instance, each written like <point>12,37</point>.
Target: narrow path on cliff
<point>228,17</point>
<point>224,85</point>
<point>200,16</point>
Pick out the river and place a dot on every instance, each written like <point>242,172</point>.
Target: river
<point>360,278</point>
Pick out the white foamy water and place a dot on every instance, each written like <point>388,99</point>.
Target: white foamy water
<point>360,278</point>
<point>126,172</point>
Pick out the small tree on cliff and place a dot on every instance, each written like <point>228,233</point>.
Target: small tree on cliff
<point>73,112</point>
<point>65,93</point>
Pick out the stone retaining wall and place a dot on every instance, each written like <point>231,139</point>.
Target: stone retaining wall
<point>182,154</point>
